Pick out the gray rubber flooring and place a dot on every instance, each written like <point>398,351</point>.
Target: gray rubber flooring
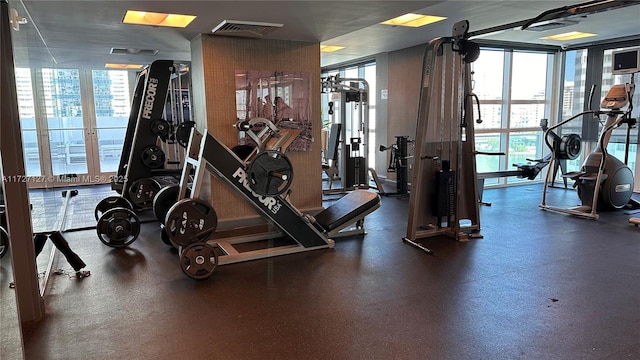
<point>539,285</point>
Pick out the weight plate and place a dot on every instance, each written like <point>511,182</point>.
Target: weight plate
<point>270,173</point>
<point>153,157</point>
<point>4,241</point>
<point>118,227</point>
<point>199,260</point>
<point>165,237</point>
<point>183,131</point>
<point>189,221</point>
<point>111,202</point>
<point>142,191</point>
<point>164,200</point>
<point>161,128</point>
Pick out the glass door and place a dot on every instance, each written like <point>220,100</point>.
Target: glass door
<point>111,107</point>
<point>30,134</point>
<point>73,122</point>
<point>65,124</point>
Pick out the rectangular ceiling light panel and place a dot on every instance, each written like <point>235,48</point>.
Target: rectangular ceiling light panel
<point>133,51</point>
<point>157,19</point>
<point>330,48</point>
<point>413,20</point>
<point>123,66</point>
<point>572,35</point>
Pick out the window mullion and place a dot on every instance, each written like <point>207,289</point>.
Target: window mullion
<point>506,108</point>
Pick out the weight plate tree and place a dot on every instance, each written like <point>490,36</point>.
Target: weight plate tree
<point>189,221</point>
<point>118,227</point>
<point>147,106</point>
<point>198,260</point>
<point>270,173</point>
<point>111,202</point>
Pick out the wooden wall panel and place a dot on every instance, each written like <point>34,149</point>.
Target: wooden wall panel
<point>405,67</point>
<point>219,58</point>
<point>404,71</point>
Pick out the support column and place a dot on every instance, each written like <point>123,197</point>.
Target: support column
<point>25,274</point>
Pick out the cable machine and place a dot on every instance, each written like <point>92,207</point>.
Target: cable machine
<point>444,198</point>
<point>399,163</point>
<point>349,107</point>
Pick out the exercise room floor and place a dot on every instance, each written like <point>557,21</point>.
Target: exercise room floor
<point>539,285</point>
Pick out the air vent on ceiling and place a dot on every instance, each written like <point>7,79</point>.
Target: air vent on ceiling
<point>244,28</point>
<point>133,51</point>
<point>551,24</point>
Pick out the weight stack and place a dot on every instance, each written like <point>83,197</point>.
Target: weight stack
<point>358,172</point>
<point>444,196</point>
<point>402,177</point>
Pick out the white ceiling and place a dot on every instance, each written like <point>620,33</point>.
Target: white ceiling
<point>80,33</point>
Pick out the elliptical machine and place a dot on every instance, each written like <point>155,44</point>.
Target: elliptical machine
<point>603,182</point>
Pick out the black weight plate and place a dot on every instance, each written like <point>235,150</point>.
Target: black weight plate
<point>111,202</point>
<point>161,128</point>
<point>4,241</point>
<point>189,221</point>
<point>153,157</point>
<point>142,191</point>
<point>198,261</point>
<point>118,227</point>
<point>270,173</point>
<point>164,200</point>
<point>183,131</point>
<point>165,237</point>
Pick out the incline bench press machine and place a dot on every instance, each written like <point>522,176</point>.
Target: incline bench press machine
<point>260,180</point>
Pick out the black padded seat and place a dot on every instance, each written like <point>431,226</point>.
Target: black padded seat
<point>347,208</point>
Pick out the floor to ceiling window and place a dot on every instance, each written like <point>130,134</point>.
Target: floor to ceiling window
<point>514,92</point>
<point>577,85</point>
<point>617,145</point>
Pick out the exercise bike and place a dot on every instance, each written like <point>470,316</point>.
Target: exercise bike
<point>603,182</point>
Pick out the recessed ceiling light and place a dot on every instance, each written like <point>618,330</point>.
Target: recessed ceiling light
<point>157,19</point>
<point>568,36</point>
<point>133,51</point>
<point>330,48</point>
<point>123,66</point>
<point>413,20</point>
